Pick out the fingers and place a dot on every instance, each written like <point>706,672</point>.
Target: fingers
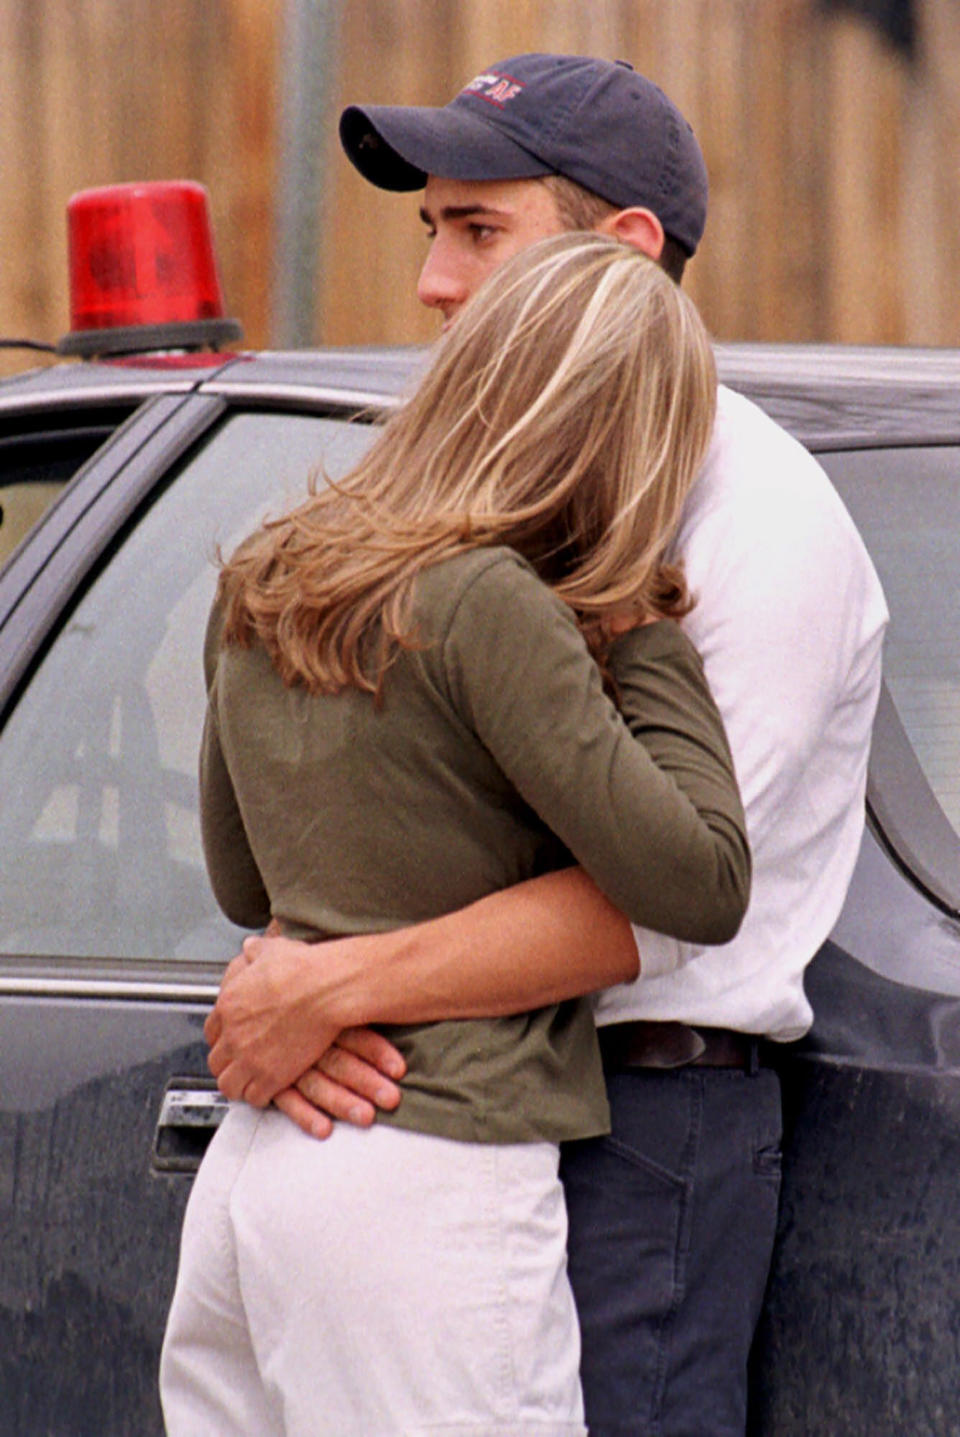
<point>341,1086</point>
<point>335,1099</point>
<point>221,1055</point>
<point>213,1026</point>
<point>374,1049</point>
<point>623,620</point>
<point>216,1059</point>
<point>231,1081</point>
<point>239,1079</point>
<point>257,1092</point>
<point>348,1087</point>
<point>359,1078</point>
<point>304,1114</point>
<point>237,1083</point>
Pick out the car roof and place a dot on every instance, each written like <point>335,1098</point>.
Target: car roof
<point>844,396</point>
<point>829,396</point>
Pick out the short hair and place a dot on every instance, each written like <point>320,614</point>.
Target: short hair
<point>581,209</point>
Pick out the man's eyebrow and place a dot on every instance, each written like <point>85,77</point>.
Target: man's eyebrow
<point>462,212</point>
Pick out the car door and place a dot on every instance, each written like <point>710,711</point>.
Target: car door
<point>111,946</point>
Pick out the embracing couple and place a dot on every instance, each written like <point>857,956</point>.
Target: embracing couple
<point>566,689</point>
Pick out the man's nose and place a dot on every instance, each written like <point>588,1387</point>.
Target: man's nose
<point>440,284</point>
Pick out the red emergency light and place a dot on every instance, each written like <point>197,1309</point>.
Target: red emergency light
<point>143,274</point>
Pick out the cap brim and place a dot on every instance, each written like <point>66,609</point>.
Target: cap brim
<point>396,147</point>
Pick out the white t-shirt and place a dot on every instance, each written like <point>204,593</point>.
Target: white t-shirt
<point>789,621</point>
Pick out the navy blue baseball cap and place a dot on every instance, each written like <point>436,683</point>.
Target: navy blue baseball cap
<point>597,122</point>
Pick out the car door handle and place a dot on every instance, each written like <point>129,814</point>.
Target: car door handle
<point>190,1113</point>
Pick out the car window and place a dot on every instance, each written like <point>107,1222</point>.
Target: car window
<point>100,850</point>
<point>906,503</point>
<point>36,463</point>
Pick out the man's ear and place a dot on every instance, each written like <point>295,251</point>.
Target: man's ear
<point>637,227</point>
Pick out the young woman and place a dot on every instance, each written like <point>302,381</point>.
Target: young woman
<point>407,710</point>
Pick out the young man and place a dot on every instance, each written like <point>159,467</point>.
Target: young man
<point>672,1218</point>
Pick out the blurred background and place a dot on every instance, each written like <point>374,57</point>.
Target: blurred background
<point>831,130</point>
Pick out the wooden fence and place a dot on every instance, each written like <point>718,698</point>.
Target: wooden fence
<point>834,161</point>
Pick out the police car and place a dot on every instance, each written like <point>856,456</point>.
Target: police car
<point>121,478</point>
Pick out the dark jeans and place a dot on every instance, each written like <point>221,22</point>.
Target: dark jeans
<point>672,1222</point>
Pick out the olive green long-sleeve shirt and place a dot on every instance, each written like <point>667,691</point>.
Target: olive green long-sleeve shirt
<point>495,756</point>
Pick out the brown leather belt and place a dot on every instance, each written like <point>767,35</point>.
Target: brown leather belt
<point>676,1045</point>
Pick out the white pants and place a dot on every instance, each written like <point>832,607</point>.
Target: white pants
<point>380,1283</point>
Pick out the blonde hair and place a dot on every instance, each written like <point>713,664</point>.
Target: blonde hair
<point>566,415</point>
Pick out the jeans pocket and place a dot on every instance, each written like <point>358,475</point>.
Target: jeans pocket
<point>626,1217</point>
<point>652,1175</point>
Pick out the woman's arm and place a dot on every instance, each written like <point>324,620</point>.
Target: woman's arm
<point>657,823</point>
<point>232,868</point>
<point>234,876</point>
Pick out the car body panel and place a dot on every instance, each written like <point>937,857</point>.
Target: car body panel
<point>90,1225</point>
<point>859,1333</point>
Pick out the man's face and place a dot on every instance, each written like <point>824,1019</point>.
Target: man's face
<point>473,226</point>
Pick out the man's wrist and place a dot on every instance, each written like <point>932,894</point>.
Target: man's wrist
<point>348,982</point>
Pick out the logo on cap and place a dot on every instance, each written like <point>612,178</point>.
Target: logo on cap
<point>496,89</point>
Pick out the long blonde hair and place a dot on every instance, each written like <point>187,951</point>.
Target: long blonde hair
<point>565,414</point>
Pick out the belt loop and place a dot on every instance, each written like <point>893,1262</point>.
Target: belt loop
<point>753,1058</point>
